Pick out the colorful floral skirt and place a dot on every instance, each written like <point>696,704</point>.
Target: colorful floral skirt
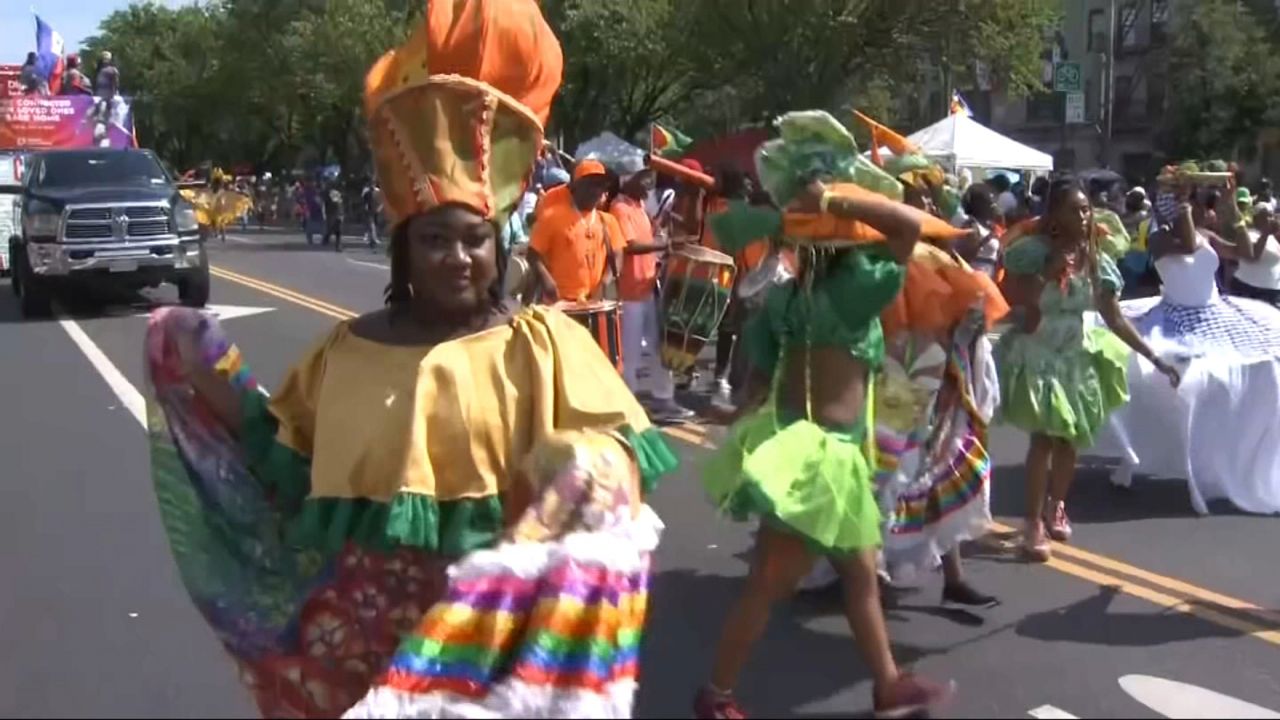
<point>936,494</point>
<point>308,630</point>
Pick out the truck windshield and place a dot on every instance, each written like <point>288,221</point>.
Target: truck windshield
<point>107,167</point>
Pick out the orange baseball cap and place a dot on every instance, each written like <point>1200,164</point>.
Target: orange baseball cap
<point>587,168</point>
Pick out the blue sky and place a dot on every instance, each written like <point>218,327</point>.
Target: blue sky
<point>74,19</point>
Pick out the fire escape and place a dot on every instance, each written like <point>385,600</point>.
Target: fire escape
<point>1140,81</point>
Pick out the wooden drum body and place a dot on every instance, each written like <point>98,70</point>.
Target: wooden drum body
<point>604,319</point>
<point>697,286</point>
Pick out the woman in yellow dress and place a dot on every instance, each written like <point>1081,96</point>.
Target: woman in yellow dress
<point>313,528</point>
<point>217,205</point>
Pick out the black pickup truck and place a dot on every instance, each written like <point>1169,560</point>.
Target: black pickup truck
<point>103,216</point>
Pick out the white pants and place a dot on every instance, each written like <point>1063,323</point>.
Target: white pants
<point>640,330</point>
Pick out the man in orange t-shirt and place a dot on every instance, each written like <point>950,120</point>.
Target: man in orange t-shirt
<point>637,289</point>
<point>574,246</point>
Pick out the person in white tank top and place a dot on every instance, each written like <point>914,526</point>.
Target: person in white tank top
<point>1258,275</point>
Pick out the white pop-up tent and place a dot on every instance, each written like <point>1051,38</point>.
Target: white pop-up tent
<point>958,141</point>
<point>617,154</point>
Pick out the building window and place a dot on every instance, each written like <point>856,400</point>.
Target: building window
<point>1128,20</point>
<point>1046,107</point>
<point>1159,21</point>
<point>1123,108</point>
<point>1156,85</point>
<point>1097,31</point>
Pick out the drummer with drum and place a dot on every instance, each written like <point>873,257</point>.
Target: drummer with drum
<point>638,291</point>
<point>574,246</point>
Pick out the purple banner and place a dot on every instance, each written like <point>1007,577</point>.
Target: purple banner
<point>65,121</point>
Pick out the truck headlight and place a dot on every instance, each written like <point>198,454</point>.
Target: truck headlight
<point>42,220</point>
<point>184,217</point>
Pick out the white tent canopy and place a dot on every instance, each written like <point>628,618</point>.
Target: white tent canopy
<point>616,154</point>
<point>959,141</point>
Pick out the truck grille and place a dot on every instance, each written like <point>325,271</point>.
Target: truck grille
<point>136,222</point>
<point>90,215</point>
<point>81,230</point>
<point>147,212</point>
<point>148,228</point>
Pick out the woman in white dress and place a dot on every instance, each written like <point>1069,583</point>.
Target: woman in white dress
<point>1219,431</point>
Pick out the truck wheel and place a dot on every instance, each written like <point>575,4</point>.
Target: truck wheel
<point>35,300</point>
<point>193,288</point>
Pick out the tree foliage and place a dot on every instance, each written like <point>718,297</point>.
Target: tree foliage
<point>278,82</point>
<point>1226,72</point>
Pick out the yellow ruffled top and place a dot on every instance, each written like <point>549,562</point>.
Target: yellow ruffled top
<point>453,421</point>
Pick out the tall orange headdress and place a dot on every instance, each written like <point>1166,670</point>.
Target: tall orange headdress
<point>456,114</point>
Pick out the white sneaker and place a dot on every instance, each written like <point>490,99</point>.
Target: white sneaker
<point>722,395</point>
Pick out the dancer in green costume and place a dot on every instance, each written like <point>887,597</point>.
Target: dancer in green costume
<point>802,457</point>
<point>1059,381</point>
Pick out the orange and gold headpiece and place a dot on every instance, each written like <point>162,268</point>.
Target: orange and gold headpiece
<point>456,114</point>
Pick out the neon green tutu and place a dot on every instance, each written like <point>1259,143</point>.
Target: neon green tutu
<point>813,481</point>
<point>1062,394</point>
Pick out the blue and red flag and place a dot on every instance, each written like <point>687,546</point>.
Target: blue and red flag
<point>49,48</point>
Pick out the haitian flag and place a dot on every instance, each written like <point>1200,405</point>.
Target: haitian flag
<point>49,47</point>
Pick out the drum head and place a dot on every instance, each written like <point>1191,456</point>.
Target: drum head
<point>570,307</point>
<point>704,254</point>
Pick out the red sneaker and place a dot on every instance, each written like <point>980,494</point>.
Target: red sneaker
<point>712,704</point>
<point>911,696</point>
<point>1057,523</point>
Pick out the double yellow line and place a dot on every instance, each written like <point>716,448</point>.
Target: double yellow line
<point>1225,611</point>
<point>283,293</point>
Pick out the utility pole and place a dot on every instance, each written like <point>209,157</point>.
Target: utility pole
<point>1109,96</point>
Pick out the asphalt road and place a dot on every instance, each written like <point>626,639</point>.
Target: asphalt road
<point>93,621</point>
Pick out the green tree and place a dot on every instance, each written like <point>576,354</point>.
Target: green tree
<point>626,65</point>
<point>765,57</point>
<point>1226,73</point>
<point>168,58</point>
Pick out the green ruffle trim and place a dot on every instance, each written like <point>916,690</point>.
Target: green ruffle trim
<point>654,456</point>
<point>451,528</point>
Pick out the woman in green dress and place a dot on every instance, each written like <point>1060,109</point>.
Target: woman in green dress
<point>1059,381</point>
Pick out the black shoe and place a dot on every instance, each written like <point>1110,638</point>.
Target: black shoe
<point>962,594</point>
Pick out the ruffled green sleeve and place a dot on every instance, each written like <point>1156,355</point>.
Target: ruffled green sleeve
<point>862,284</point>
<point>742,224</point>
<point>1109,274</point>
<point>1026,256</point>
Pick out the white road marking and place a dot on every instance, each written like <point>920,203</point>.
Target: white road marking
<point>380,266</point>
<point>128,394</point>
<point>223,312</point>
<point>241,240</point>
<point>1049,712</point>
<point>1180,700</point>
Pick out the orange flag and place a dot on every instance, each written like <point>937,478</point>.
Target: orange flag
<point>886,136</point>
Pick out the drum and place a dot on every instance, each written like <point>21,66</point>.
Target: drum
<point>604,319</point>
<point>696,288</point>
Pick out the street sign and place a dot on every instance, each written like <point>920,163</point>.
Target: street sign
<point>1075,108</point>
<point>1067,77</point>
